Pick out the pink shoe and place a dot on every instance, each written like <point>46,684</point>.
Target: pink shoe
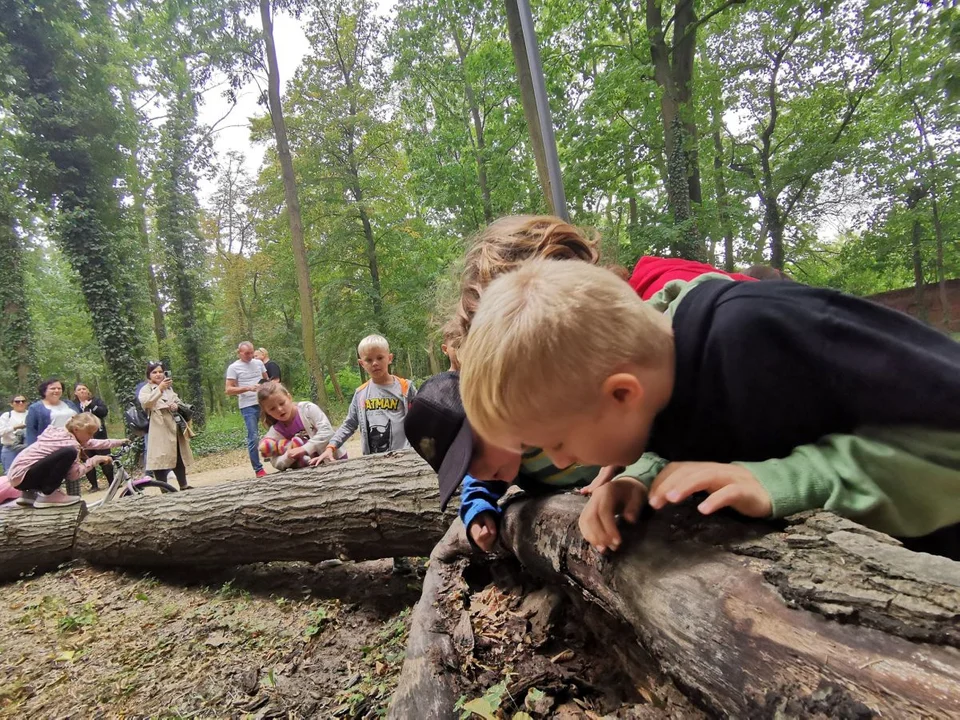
<point>58,498</point>
<point>261,473</point>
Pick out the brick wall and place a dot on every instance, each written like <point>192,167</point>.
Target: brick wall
<point>905,300</point>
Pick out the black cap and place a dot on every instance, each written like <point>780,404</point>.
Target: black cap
<point>437,428</point>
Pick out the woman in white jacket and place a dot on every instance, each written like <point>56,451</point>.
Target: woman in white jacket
<point>298,430</point>
<point>12,426</point>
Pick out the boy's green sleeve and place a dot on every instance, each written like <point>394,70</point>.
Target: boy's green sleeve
<point>645,469</point>
<point>901,481</point>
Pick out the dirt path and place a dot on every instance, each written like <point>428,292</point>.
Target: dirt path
<point>216,469</point>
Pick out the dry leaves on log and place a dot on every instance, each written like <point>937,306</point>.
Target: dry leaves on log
<point>531,655</point>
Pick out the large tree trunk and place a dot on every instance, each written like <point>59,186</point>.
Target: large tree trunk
<point>304,285</point>
<point>825,619</point>
<point>34,541</point>
<point>364,509</point>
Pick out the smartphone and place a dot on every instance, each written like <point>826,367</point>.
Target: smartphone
<point>166,374</point>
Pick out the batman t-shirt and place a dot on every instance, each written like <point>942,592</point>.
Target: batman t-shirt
<point>378,411</point>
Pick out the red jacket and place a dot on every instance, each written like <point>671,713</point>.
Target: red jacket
<point>652,273</point>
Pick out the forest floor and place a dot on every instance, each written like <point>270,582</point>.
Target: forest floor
<point>291,640</point>
<point>295,640</point>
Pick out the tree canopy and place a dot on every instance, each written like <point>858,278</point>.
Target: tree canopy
<point>819,137</point>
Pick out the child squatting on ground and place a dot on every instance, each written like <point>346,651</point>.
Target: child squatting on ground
<point>379,406</point>
<point>866,422</point>
<point>42,467</point>
<point>297,431</point>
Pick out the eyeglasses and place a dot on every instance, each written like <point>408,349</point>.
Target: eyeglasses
<point>19,400</point>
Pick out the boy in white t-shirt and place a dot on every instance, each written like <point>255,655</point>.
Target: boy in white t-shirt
<point>243,379</point>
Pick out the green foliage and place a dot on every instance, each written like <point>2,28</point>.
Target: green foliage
<point>84,616</point>
<point>821,136</point>
<point>222,433</point>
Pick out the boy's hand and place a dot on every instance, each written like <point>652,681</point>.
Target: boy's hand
<point>729,486</point>
<point>103,460</point>
<point>598,521</point>
<point>605,475</point>
<point>324,457</point>
<point>483,531</point>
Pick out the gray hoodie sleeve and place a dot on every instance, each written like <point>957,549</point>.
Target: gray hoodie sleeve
<point>350,423</point>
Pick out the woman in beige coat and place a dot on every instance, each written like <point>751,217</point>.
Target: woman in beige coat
<point>168,448</point>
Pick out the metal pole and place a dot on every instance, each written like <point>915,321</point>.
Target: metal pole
<point>543,110</point>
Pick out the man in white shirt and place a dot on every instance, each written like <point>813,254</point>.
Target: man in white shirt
<point>243,379</point>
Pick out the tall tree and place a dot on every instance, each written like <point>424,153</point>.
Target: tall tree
<point>61,77</point>
<point>293,206</point>
<point>18,369</point>
<point>177,217</point>
<point>673,45</point>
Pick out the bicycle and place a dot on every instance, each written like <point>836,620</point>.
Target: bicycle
<point>123,485</point>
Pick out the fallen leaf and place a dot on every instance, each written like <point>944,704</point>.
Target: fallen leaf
<point>216,640</point>
<point>565,656</point>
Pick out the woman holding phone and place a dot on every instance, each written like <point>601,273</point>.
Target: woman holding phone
<point>168,446</point>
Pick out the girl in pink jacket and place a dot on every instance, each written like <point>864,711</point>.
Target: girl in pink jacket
<point>41,468</point>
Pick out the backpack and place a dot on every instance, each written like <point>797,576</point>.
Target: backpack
<point>138,422</point>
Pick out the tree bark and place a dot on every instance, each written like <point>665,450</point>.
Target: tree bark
<point>368,508</point>
<point>914,196</point>
<point>825,619</point>
<point>427,686</point>
<point>34,541</point>
<point>480,144</point>
<point>293,209</point>
<point>746,622</point>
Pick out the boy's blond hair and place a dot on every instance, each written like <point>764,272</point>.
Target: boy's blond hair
<point>544,339</point>
<point>372,341</point>
<point>83,421</point>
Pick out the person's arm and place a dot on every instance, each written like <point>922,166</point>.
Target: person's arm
<point>901,481</point>
<point>6,426</point>
<point>99,408</point>
<point>317,418</point>
<point>149,396</point>
<point>478,497</point>
<point>232,388</point>
<point>105,443</point>
<point>350,424</point>
<point>645,469</point>
<point>32,431</point>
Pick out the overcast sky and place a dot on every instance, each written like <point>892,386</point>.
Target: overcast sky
<point>233,133</point>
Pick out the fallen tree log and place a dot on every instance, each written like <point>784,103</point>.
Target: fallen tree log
<point>822,618</point>
<point>426,687</point>
<point>34,541</point>
<point>826,617</point>
<point>363,509</point>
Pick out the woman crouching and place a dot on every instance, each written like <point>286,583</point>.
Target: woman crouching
<point>42,467</point>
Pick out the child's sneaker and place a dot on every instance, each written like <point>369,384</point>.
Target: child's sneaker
<point>27,498</point>
<point>58,498</point>
<point>261,473</point>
